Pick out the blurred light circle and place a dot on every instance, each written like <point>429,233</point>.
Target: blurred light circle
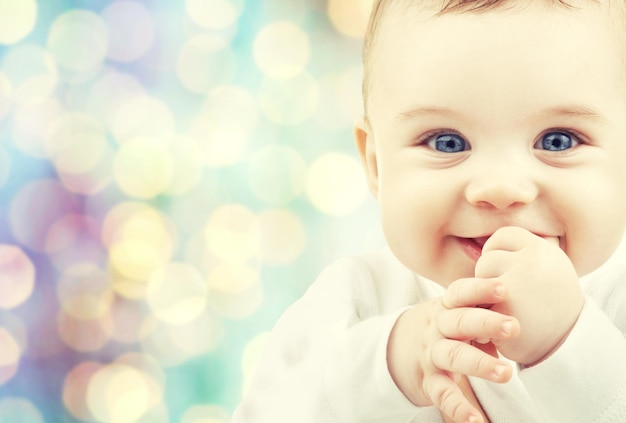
<point>30,225</point>
<point>131,30</point>
<point>185,336</point>
<point>341,99</point>
<point>282,237</point>
<point>129,288</point>
<point>84,291</point>
<point>281,50</point>
<point>31,70</point>
<point>109,93</point>
<point>74,239</point>
<point>173,345</point>
<point>236,291</point>
<point>143,168</point>
<point>197,253</point>
<point>114,226</point>
<point>350,17</point>
<point>10,353</point>
<point>128,316</point>
<point>78,40</point>
<point>141,242</point>
<point>160,413</point>
<point>277,174</point>
<point>205,414</point>
<point>155,340</point>
<point>75,389</point>
<point>5,166</point>
<point>17,19</point>
<point>187,165</point>
<point>31,123</point>
<point>214,14</point>
<point>204,62</point>
<point>17,276</point>
<point>177,293</point>
<point>84,335</point>
<point>336,185</point>
<point>16,327</point>
<point>151,371</point>
<point>142,116</point>
<point>294,10</point>
<point>289,101</point>
<point>16,409</point>
<point>76,142</point>
<point>118,393</point>
<point>233,233</point>
<point>224,125</point>
<point>93,180</point>
<point>6,95</point>
<point>233,278</point>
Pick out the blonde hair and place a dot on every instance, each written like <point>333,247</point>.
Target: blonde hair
<point>383,8</point>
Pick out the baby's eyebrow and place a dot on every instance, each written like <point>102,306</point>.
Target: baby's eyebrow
<point>568,111</point>
<point>574,111</point>
<point>426,111</point>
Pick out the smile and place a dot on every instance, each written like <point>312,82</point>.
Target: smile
<point>472,247</point>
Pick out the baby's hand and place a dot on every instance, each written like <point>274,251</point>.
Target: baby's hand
<point>429,346</point>
<point>544,294</point>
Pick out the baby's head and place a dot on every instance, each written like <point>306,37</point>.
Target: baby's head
<point>388,11</point>
<point>483,114</point>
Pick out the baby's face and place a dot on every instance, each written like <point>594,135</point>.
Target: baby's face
<point>502,118</point>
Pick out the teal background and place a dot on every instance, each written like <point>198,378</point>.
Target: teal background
<point>173,174</point>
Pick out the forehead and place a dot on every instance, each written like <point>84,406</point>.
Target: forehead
<point>489,50</point>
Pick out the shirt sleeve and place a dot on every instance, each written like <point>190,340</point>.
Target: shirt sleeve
<point>585,379</point>
<point>326,359</point>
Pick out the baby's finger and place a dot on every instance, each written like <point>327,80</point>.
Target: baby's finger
<point>471,292</point>
<point>448,397</point>
<point>459,357</point>
<point>493,264</point>
<point>476,323</point>
<point>508,238</point>
<point>512,238</point>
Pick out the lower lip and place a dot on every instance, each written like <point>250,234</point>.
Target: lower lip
<point>470,248</point>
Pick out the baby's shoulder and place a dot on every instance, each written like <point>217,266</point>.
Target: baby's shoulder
<point>376,278</point>
<point>371,267</point>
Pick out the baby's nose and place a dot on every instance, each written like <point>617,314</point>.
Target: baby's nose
<point>501,188</point>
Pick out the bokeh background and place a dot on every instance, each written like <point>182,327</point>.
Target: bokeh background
<point>173,174</point>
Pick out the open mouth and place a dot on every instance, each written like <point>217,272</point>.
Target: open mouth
<point>480,241</point>
<point>473,246</point>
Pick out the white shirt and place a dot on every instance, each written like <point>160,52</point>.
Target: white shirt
<point>326,358</point>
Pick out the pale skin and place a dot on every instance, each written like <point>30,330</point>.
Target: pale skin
<point>495,211</point>
<point>431,340</point>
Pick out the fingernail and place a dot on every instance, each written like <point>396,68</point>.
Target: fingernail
<point>499,370</point>
<point>473,419</point>
<point>498,290</point>
<point>506,327</point>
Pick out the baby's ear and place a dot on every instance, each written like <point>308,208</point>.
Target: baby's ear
<point>367,150</point>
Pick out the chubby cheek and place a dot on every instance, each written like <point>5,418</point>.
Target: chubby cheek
<point>593,237</point>
<point>589,251</point>
<point>408,228</point>
<point>421,246</point>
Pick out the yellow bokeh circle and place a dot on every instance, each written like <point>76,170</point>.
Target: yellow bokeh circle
<point>336,184</point>
<point>281,50</point>
<point>17,19</point>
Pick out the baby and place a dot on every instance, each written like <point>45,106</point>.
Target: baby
<point>494,139</point>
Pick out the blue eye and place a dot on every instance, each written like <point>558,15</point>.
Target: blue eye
<point>556,141</point>
<point>448,143</point>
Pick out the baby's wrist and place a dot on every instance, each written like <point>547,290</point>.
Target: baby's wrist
<point>544,355</point>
